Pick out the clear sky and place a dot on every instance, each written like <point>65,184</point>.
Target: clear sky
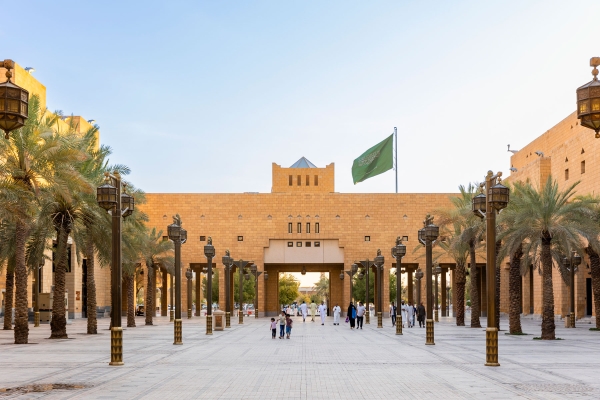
<point>201,96</point>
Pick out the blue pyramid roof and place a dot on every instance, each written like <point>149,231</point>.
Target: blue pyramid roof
<point>303,163</point>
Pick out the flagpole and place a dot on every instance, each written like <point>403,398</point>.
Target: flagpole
<point>396,155</point>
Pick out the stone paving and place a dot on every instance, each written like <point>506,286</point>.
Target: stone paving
<point>318,362</point>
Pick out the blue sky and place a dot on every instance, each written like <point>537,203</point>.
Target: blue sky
<point>203,96</point>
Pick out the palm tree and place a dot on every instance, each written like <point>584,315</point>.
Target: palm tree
<point>548,221</point>
<point>156,252</point>
<point>34,159</point>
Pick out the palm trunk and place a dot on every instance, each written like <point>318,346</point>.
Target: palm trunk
<point>475,306</point>
<point>459,290</point>
<point>149,306</point>
<point>548,326</point>
<point>9,297</point>
<point>58,325</point>
<point>595,272</point>
<point>92,320</point>
<point>514,293</point>
<point>497,294</point>
<point>129,281</point>
<point>21,311</point>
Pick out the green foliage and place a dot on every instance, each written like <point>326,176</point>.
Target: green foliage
<point>247,289</point>
<point>360,288</point>
<point>321,288</point>
<point>215,286</point>
<point>288,289</point>
<point>392,287</point>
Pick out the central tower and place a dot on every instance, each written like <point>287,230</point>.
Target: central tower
<point>303,176</point>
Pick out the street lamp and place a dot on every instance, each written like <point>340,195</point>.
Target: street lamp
<point>367,264</point>
<point>254,271</point>
<point>398,252</point>
<point>437,270</point>
<point>379,260</point>
<point>178,235</point>
<point>486,206</point>
<point>109,197</point>
<point>571,263</point>
<point>351,273</point>
<point>14,102</point>
<point>36,315</point>
<point>428,235</point>
<point>228,263</point>
<point>241,265</point>
<point>418,277</point>
<point>189,275</point>
<point>209,252</point>
<point>588,100</point>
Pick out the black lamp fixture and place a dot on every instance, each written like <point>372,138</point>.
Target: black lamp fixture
<point>588,100</point>
<point>14,102</point>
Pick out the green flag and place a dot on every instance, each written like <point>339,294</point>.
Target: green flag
<point>375,161</point>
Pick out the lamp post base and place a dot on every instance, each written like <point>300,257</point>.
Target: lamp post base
<point>256,313</point>
<point>435,315</point>
<point>189,313</point>
<point>491,347</point>
<point>429,337</point>
<point>228,320</point>
<point>572,320</point>
<point>241,317</point>
<point>209,324</point>
<point>177,330</point>
<point>171,315</point>
<point>36,319</point>
<point>379,320</point>
<point>398,324</point>
<point>116,346</point>
<point>367,317</point>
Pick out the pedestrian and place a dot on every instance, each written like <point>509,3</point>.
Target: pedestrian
<point>288,326</point>
<point>281,325</point>
<point>393,314</point>
<point>304,309</point>
<point>410,315</point>
<point>322,312</point>
<point>404,311</point>
<point>336,314</point>
<point>273,328</point>
<point>351,315</point>
<point>421,315</point>
<point>360,314</point>
<point>313,309</point>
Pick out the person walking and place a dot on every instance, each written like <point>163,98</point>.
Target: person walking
<point>410,315</point>
<point>322,312</point>
<point>405,318</point>
<point>336,314</point>
<point>304,310</point>
<point>351,315</point>
<point>421,315</point>
<point>360,314</point>
<point>281,325</point>
<point>313,310</point>
<point>273,328</point>
<point>288,326</point>
<point>393,313</point>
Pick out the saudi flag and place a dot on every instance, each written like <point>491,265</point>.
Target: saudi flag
<point>375,161</point>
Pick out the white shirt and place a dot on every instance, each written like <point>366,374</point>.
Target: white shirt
<point>337,309</point>
<point>322,309</point>
<point>360,311</point>
<point>303,307</point>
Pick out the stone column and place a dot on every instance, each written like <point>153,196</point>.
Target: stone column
<point>164,290</point>
<point>198,292</point>
<point>409,286</point>
<point>443,290</point>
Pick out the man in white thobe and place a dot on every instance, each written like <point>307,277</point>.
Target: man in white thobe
<point>313,310</point>
<point>304,310</point>
<point>336,314</point>
<point>322,312</point>
<point>405,320</point>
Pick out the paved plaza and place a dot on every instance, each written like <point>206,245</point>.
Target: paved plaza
<point>318,362</point>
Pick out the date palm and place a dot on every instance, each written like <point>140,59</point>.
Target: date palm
<point>156,253</point>
<point>547,221</point>
<point>34,159</point>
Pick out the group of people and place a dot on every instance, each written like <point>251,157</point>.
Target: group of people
<point>409,312</point>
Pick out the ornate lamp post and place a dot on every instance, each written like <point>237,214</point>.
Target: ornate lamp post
<point>351,273</point>
<point>189,275</point>
<point>209,252</point>
<point>121,205</point>
<point>486,206</point>
<point>366,265</point>
<point>379,260</point>
<point>228,263</point>
<point>241,265</point>
<point>571,263</point>
<point>36,314</point>
<point>175,233</point>
<point>437,270</point>
<point>172,299</point>
<point>398,252</point>
<point>428,235</point>
<point>14,102</point>
<point>588,100</point>
<point>254,271</point>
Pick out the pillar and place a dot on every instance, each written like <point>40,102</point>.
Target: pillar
<point>198,292</point>
<point>409,286</point>
<point>482,291</point>
<point>163,294</point>
<point>443,290</point>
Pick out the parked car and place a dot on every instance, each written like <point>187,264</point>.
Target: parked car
<point>249,309</point>
<point>139,311</point>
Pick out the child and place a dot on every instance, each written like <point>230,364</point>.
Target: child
<point>273,328</point>
<point>288,325</point>
<point>281,324</point>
